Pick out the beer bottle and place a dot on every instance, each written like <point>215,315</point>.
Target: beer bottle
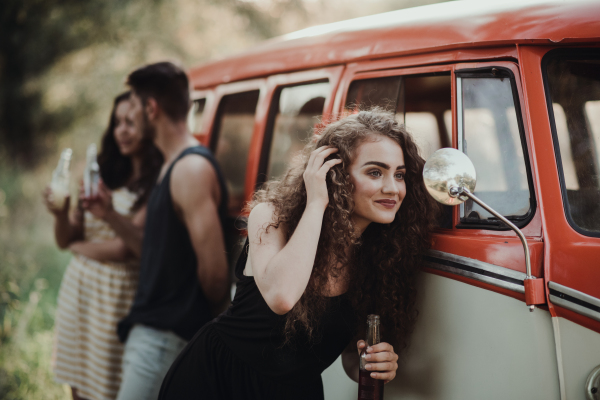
<point>369,388</point>
<point>91,174</point>
<point>61,180</point>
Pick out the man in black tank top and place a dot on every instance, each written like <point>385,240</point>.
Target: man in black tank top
<point>183,271</point>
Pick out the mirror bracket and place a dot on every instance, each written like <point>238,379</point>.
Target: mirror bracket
<point>534,287</point>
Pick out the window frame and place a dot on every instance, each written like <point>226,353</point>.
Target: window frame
<point>390,68</point>
<point>483,72</point>
<point>573,54</point>
<point>257,172</point>
<point>209,97</point>
<point>270,127</point>
<point>213,124</point>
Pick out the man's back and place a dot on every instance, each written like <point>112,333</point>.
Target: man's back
<point>169,295</point>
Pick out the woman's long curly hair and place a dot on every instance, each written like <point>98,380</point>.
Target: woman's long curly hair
<point>116,169</point>
<point>384,262</point>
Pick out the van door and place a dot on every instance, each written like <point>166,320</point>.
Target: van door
<point>564,87</point>
<point>474,338</point>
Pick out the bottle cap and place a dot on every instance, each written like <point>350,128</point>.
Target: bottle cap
<point>372,318</point>
<point>66,154</point>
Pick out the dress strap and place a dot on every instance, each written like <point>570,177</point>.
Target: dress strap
<point>241,262</point>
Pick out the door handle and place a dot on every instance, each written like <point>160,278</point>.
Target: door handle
<point>592,385</point>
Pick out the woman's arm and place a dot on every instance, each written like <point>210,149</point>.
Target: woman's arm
<point>282,270</point>
<point>351,359</point>
<point>67,228</point>
<point>110,250</point>
<point>381,359</point>
<point>130,230</point>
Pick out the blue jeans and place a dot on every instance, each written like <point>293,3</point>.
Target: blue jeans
<point>148,356</point>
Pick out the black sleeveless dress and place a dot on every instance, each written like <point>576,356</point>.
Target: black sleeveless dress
<point>240,354</point>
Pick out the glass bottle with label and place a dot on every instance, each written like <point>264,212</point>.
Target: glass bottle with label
<point>61,180</point>
<point>91,175</point>
<point>369,388</point>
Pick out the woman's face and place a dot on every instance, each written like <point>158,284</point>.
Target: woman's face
<point>128,138</point>
<point>377,173</point>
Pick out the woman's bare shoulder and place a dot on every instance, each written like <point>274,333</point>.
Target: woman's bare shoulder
<point>262,223</point>
<point>261,213</point>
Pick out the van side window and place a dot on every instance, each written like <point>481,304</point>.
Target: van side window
<point>295,112</point>
<point>573,79</point>
<point>230,142</point>
<point>491,137</point>
<point>197,114</point>
<point>423,103</point>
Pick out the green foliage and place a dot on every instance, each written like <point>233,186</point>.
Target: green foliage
<point>31,269</point>
<point>34,35</point>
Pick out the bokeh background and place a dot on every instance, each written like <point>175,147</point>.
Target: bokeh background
<point>61,64</point>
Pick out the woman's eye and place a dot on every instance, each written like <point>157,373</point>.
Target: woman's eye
<point>400,176</point>
<point>374,173</point>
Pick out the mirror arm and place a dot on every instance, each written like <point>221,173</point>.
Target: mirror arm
<point>458,191</point>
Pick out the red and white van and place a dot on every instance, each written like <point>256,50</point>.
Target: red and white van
<point>515,86</point>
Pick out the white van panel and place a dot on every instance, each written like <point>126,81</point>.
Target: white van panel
<point>580,349</point>
<point>468,344</point>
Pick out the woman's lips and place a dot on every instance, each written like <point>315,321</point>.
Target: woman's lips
<point>387,203</point>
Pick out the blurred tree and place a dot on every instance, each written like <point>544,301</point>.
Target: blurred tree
<point>34,35</point>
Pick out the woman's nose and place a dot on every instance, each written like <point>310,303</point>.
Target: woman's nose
<point>390,186</point>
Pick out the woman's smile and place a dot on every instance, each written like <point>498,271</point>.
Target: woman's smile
<point>387,203</point>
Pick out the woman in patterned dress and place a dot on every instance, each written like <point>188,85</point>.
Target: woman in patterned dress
<point>101,279</point>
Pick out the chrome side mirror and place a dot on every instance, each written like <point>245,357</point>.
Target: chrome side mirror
<point>450,178</point>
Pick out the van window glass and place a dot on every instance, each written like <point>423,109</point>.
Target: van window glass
<point>196,115</point>
<point>297,111</point>
<point>574,83</point>
<point>234,125</point>
<point>562,131</point>
<point>423,103</point>
<point>491,139</point>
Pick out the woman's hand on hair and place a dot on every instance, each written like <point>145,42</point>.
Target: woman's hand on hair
<point>99,205</point>
<point>382,361</point>
<point>315,174</point>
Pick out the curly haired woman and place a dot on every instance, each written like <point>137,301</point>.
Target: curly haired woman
<point>341,236</point>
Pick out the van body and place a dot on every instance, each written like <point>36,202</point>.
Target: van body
<point>516,87</point>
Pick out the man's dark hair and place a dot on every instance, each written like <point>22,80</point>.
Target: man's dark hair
<point>167,84</point>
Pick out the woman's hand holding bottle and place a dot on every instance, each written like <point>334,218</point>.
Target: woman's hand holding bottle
<point>381,359</point>
<point>315,174</point>
<point>99,205</point>
<point>51,204</point>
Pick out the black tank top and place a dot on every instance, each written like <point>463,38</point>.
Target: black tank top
<point>255,334</point>
<point>169,296</point>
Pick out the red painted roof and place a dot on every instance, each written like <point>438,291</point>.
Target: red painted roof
<point>420,29</point>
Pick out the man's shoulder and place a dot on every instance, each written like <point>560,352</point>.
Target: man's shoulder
<point>193,179</point>
<point>193,165</point>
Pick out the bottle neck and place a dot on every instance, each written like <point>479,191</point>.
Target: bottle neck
<point>373,335</point>
<point>63,165</point>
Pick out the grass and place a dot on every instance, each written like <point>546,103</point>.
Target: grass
<point>31,269</point>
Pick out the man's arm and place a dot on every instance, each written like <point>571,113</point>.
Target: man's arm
<point>196,194</point>
<point>109,250</point>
